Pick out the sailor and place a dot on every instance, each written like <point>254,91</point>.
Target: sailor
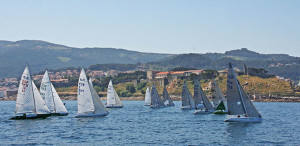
<point>238,116</point>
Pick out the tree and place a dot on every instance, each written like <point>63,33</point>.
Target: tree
<point>130,87</point>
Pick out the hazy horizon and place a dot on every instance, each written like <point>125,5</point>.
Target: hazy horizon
<point>172,27</point>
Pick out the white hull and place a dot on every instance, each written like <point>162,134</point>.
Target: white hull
<point>203,112</point>
<point>186,108</point>
<point>92,115</point>
<point>244,119</point>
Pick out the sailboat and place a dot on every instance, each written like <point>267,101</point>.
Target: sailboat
<point>147,97</point>
<point>113,100</point>
<point>29,104</point>
<point>156,101</point>
<point>219,101</point>
<point>89,104</point>
<point>51,97</point>
<point>187,100</point>
<point>239,103</point>
<point>203,105</point>
<point>166,98</point>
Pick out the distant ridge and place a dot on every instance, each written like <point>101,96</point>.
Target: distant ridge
<point>41,55</point>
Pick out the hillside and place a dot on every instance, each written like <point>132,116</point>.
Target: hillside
<point>265,87</point>
<point>278,64</point>
<point>42,55</point>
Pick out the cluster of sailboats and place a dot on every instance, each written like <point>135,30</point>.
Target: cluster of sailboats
<point>32,103</point>
<point>237,103</point>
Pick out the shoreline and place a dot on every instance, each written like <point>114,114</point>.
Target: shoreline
<point>284,99</point>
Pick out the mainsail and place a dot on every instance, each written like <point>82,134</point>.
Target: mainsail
<point>238,101</point>
<point>217,95</point>
<point>197,96</point>
<point>147,97</point>
<point>25,101</point>
<point>166,98</point>
<point>185,96</point>
<point>112,96</point>
<point>155,99</point>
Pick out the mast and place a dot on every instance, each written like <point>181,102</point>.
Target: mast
<point>51,92</point>
<point>32,89</point>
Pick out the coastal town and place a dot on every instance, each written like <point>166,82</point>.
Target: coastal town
<point>67,78</point>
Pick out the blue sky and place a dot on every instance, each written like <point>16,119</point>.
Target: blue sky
<point>160,26</point>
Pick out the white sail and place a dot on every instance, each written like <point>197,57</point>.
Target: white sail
<point>118,100</point>
<point>91,82</point>
<point>46,92</point>
<point>98,105</point>
<point>25,101</point>
<point>41,107</point>
<point>110,94</point>
<point>238,101</point>
<point>84,97</point>
<point>147,97</point>
<point>112,97</point>
<point>217,95</point>
<point>59,106</point>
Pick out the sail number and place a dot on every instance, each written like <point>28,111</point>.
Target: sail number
<point>24,84</point>
<point>79,86</point>
<point>229,84</point>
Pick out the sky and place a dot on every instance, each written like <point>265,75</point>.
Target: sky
<point>159,26</point>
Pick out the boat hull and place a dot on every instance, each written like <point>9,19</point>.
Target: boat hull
<point>24,117</point>
<point>113,106</point>
<point>92,115</point>
<point>244,119</point>
<point>220,112</point>
<point>187,108</point>
<point>59,114</point>
<point>154,106</point>
<point>203,112</point>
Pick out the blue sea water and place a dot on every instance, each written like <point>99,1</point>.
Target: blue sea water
<point>136,124</point>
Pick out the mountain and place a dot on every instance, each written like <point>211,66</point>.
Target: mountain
<point>41,55</point>
<point>278,64</point>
